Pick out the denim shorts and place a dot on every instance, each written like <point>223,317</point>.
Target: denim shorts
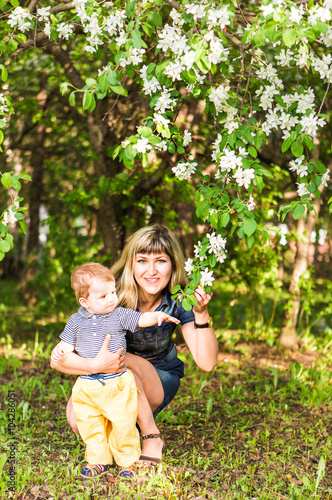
<point>170,370</point>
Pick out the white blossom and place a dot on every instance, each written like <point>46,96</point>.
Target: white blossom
<point>161,120</point>
<point>142,145</point>
<point>174,70</point>
<point>165,101</point>
<point>161,146</point>
<point>186,138</point>
<point>250,203</point>
<point>243,177</point>
<point>296,14</point>
<point>207,278</point>
<point>229,161</point>
<point>21,18</point>
<point>184,170</point>
<point>325,179</point>
<point>65,30</point>
<point>197,251</point>
<point>189,268</point>
<point>44,13</point>
<point>299,167</point>
<point>8,218</point>
<point>217,246</point>
<point>151,86</point>
<point>302,190</point>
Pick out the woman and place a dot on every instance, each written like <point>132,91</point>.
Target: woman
<point>151,264</point>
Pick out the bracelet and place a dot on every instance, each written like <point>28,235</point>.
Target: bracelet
<point>204,325</point>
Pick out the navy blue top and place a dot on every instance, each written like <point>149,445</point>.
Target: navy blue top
<point>157,340</point>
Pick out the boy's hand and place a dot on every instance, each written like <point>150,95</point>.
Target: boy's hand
<point>59,350</point>
<point>166,317</point>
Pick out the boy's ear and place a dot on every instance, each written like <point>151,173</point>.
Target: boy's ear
<point>82,302</point>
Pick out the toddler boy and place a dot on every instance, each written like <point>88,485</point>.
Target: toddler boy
<point>105,404</point>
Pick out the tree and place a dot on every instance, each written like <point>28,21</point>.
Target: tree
<point>257,74</point>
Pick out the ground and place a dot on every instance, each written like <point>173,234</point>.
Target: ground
<point>258,426</point>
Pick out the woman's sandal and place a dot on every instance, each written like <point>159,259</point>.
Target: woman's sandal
<point>147,460</point>
<point>94,470</point>
<point>128,472</point>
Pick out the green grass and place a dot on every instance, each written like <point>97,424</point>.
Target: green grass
<point>257,427</point>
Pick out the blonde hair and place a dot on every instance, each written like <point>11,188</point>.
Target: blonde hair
<point>148,240</point>
<point>81,278</point>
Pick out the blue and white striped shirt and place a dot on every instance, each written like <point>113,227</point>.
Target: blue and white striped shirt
<point>87,331</point>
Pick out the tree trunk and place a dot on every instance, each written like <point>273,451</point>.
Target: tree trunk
<point>305,227</point>
<point>35,200</point>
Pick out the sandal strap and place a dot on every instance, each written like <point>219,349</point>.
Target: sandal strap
<point>128,472</point>
<point>151,436</point>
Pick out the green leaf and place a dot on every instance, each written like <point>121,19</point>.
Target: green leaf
<point>4,74</point>
<point>186,305</point>
<point>12,45</point>
<point>224,219</point>
<point>148,29</point>
<point>23,226</point>
<point>119,90</point>
<point>289,37</point>
<point>171,147</point>
<point>4,246</point>
<point>155,18</point>
<point>298,211</point>
<point>130,9</point>
<point>25,177</point>
<point>286,144</point>
<point>297,149</point>
<point>6,180</point>
<point>91,82</point>
<point>249,227</point>
<point>87,100</point>
<point>249,240</point>
<point>308,142</point>
<point>214,220</point>
<point>259,38</point>
<point>189,76</point>
<point>112,77</point>
<point>146,131</point>
<point>21,38</point>
<point>252,151</point>
<point>136,39</point>
<point>72,98</point>
<point>15,3</point>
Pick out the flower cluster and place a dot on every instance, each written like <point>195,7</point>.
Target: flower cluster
<point>217,246</point>
<point>184,170</point>
<point>8,218</point>
<point>21,18</point>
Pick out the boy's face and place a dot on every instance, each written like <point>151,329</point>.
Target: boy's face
<point>102,297</point>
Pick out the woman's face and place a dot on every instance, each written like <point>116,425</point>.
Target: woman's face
<point>152,272</point>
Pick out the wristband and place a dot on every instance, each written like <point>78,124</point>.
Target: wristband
<point>204,325</point>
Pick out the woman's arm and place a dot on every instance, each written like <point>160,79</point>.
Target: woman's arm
<point>202,342</point>
<point>104,362</point>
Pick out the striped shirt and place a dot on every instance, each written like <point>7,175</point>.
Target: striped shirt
<point>87,331</point>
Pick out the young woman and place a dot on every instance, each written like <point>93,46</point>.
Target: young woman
<point>151,264</point>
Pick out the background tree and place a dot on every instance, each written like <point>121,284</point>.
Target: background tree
<point>226,97</point>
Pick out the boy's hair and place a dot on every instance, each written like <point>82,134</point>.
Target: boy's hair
<point>81,278</point>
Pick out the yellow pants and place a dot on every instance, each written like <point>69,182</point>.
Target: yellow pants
<point>106,418</point>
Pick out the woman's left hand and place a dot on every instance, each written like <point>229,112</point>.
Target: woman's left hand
<point>202,298</point>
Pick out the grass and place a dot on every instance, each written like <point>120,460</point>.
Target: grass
<point>257,427</point>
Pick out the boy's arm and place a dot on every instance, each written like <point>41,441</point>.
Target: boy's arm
<point>60,349</point>
<point>154,318</point>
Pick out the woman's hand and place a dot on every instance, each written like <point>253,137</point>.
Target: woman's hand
<point>108,362</point>
<point>203,300</point>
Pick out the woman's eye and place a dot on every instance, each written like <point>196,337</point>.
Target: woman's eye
<point>141,261</point>
<point>162,261</point>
